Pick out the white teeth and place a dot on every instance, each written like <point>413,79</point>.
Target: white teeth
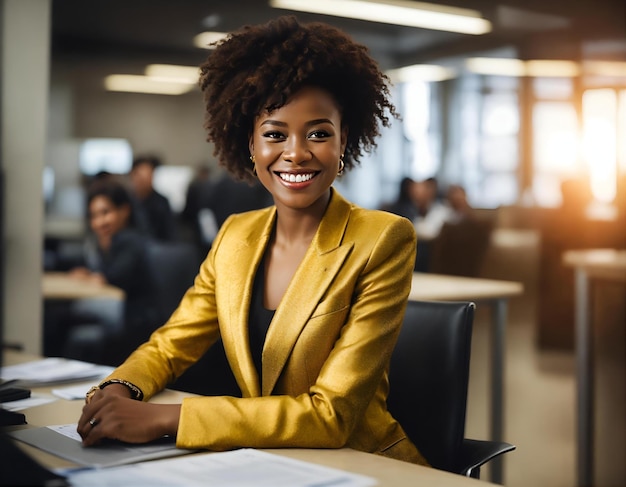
<point>296,178</point>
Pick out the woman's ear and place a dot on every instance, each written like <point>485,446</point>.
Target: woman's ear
<point>251,144</point>
<point>344,138</point>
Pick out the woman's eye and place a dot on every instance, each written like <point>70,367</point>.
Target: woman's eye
<point>319,134</point>
<point>273,135</point>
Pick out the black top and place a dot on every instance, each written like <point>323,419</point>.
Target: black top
<point>155,216</point>
<point>260,318</point>
<point>126,266</point>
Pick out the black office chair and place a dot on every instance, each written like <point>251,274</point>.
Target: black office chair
<point>174,267</point>
<point>428,377</point>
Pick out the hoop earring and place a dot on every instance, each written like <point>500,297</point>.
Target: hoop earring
<point>341,166</point>
<point>253,160</point>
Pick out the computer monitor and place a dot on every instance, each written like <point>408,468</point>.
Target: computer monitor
<point>112,155</point>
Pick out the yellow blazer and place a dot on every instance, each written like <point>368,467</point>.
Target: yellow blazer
<point>326,355</point>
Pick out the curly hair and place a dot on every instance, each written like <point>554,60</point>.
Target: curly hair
<point>260,67</point>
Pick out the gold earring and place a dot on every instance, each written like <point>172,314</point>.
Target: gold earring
<point>253,160</point>
<point>341,166</point>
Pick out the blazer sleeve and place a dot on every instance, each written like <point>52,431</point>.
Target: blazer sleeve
<point>179,343</point>
<point>327,414</point>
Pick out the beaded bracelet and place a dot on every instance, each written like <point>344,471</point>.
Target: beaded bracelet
<point>136,393</point>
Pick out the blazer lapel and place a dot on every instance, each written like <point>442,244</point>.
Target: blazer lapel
<point>320,265</point>
<point>245,256</point>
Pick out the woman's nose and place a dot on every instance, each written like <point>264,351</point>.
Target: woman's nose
<point>296,150</point>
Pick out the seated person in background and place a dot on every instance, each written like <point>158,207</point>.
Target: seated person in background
<point>308,295</point>
<point>405,204</point>
<point>459,208</point>
<point>115,253</point>
<point>431,216</point>
<point>200,187</point>
<point>154,213</point>
<point>431,212</point>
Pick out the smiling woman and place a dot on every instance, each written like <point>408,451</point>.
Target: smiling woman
<point>308,295</point>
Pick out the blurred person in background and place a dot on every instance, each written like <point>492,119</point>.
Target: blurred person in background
<point>154,212</point>
<point>115,253</point>
<point>431,212</point>
<point>458,206</point>
<point>431,216</point>
<point>199,190</point>
<point>405,204</point>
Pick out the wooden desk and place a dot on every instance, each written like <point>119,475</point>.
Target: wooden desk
<point>388,472</point>
<point>59,285</point>
<point>439,287</point>
<point>592,264</point>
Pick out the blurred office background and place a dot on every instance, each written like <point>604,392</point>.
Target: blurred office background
<point>520,106</point>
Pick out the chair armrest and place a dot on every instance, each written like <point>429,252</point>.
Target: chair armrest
<point>475,453</point>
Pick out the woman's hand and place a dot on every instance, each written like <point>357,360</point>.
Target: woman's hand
<point>85,274</point>
<point>112,414</point>
<point>79,273</point>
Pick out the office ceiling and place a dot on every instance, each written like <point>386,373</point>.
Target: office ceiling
<point>162,30</point>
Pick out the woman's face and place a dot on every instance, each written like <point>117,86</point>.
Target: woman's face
<point>297,149</point>
<point>105,218</point>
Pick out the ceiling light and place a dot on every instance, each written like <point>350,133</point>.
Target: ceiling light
<point>420,72</point>
<point>145,84</point>
<point>205,39</point>
<point>398,12</point>
<point>172,72</point>
<point>496,66</point>
<point>549,68</point>
<point>546,68</point>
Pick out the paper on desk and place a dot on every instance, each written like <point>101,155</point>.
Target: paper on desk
<point>72,392</point>
<point>52,370</point>
<point>239,468</point>
<point>36,399</point>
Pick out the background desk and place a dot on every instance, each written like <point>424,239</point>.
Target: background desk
<point>592,264</point>
<point>388,472</point>
<point>439,287</point>
<point>60,285</point>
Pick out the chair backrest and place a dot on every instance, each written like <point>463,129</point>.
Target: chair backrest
<point>429,375</point>
<point>174,266</point>
<point>460,248</point>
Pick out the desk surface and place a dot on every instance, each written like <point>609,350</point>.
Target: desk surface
<point>600,262</point>
<point>427,286</point>
<point>60,285</point>
<point>388,472</point>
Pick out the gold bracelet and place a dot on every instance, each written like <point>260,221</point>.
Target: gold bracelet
<point>135,391</point>
<point>90,393</point>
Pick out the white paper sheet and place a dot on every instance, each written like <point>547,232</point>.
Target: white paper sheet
<point>239,468</point>
<point>36,399</point>
<point>73,392</point>
<point>52,370</point>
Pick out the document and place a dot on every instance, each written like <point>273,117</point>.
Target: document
<point>238,468</point>
<point>35,399</point>
<point>52,370</point>
<point>64,441</point>
<point>73,392</point>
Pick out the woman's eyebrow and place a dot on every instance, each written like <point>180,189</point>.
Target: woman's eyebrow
<point>317,121</point>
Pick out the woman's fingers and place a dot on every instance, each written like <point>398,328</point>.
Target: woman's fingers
<point>127,420</point>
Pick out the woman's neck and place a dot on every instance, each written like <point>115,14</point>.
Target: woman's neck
<point>298,227</point>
